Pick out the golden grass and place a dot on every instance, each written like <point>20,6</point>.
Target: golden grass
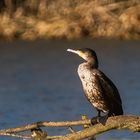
<point>73,19</point>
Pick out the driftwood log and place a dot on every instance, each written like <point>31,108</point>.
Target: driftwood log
<point>129,122</point>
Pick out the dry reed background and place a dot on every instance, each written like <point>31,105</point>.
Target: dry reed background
<point>33,19</point>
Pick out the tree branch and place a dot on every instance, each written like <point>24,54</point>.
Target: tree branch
<point>129,122</point>
<point>118,122</point>
<point>15,135</point>
<point>45,124</point>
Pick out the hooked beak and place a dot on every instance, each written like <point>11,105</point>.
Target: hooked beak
<point>73,51</point>
<point>81,54</point>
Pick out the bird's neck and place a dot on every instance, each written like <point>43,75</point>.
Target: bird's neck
<point>93,63</point>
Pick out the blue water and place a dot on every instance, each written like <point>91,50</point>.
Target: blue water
<point>39,81</point>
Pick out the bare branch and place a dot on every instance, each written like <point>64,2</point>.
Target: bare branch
<point>16,135</point>
<point>119,122</point>
<point>129,122</point>
<point>45,124</point>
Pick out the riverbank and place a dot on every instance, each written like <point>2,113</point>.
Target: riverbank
<point>72,20</point>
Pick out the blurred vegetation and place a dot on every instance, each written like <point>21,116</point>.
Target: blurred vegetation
<point>32,19</point>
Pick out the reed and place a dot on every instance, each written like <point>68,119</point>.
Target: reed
<point>70,19</point>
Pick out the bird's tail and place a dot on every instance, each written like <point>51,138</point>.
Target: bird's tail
<point>117,110</point>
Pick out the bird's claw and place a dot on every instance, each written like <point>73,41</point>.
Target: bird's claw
<point>99,119</point>
<point>94,120</point>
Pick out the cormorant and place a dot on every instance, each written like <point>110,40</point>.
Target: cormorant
<point>98,88</point>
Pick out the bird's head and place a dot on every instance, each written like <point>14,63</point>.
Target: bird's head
<point>87,54</point>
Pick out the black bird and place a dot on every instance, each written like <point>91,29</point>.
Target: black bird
<point>98,88</point>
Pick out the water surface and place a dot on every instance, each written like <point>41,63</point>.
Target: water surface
<point>39,81</point>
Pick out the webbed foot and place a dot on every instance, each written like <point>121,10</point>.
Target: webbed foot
<point>99,119</point>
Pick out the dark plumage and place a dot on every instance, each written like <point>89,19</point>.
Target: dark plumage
<point>99,89</point>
